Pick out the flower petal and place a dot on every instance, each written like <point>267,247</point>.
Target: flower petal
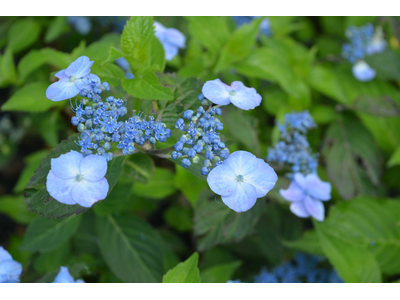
<point>241,162</point>
<point>317,188</point>
<point>175,37</point>
<point>61,74</point>
<point>60,189</point>
<point>263,178</point>
<point>85,82</point>
<point>222,180</point>
<point>63,276</point>
<point>170,51</point>
<point>67,165</point>
<point>62,90</point>
<point>294,193</point>
<point>299,209</point>
<point>159,30</point>
<point>4,255</point>
<point>10,267</point>
<point>80,67</point>
<point>93,167</point>
<point>315,208</point>
<point>217,92</point>
<point>86,193</point>
<point>243,199</point>
<point>363,72</point>
<point>300,180</point>
<point>245,98</point>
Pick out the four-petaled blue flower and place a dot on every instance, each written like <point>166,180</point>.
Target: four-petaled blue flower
<point>306,193</point>
<point>10,270</point>
<point>241,179</point>
<point>362,71</point>
<point>75,179</point>
<point>64,277</point>
<point>220,93</point>
<point>171,39</point>
<point>72,80</point>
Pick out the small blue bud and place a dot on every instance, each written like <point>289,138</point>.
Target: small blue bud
<point>186,163</point>
<point>201,97</point>
<point>101,150</point>
<point>188,114</point>
<point>110,99</point>
<point>209,155</point>
<point>152,140</point>
<point>178,146</point>
<point>84,93</point>
<point>204,171</point>
<point>107,146</point>
<point>224,154</point>
<point>218,111</point>
<point>75,121</point>
<point>191,152</point>
<point>81,127</point>
<point>174,155</point>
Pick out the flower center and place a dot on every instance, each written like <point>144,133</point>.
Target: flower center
<point>232,93</point>
<point>239,178</point>
<point>79,177</point>
<point>72,78</point>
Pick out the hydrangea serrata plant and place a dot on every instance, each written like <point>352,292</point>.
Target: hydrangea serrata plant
<point>10,270</point>
<point>64,277</point>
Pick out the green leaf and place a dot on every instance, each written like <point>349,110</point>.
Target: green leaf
<point>211,31</point>
<point>381,106</point>
<point>159,187</point>
<point>216,223</point>
<point>194,169</point>
<point>309,243</point>
<point>136,40</point>
<point>51,261</point>
<point>57,26</point>
<point>386,64</point>
<point>146,86</point>
<point>113,54</point>
<point>190,185</point>
<point>156,61</point>
<point>220,273</point>
<point>75,270</point>
<point>7,68</point>
<point>394,159</point>
<point>179,217</point>
<point>353,263</point>
<point>45,235</point>
<point>38,199</point>
<point>116,200</point>
<point>30,98</point>
<point>97,51</point>
<point>140,167</point>
<point>131,248</point>
<point>15,208</point>
<point>239,45</point>
<point>108,73</point>
<point>353,160</point>
<point>49,126</point>
<point>184,272</point>
<point>22,34</point>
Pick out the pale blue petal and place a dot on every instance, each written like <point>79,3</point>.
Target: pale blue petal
<point>315,208</point>
<point>93,167</point>
<point>61,75</point>
<point>244,98</point>
<point>243,199</point>
<point>377,45</point>
<point>63,276</point>
<point>300,180</point>
<point>86,193</point>
<point>62,90</point>
<point>170,51</point>
<point>159,30</point>
<point>11,268</point>
<point>175,37</point>
<point>85,82</point>
<point>222,180</point>
<point>80,67</point>
<point>363,72</point>
<point>4,255</point>
<point>241,162</point>
<point>294,193</point>
<point>217,92</point>
<point>123,64</point>
<point>263,178</point>
<point>67,165</point>
<point>79,281</point>
<point>60,189</point>
<point>299,209</point>
<point>317,188</point>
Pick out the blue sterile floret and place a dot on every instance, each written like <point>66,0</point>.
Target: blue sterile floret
<point>201,135</point>
<point>293,147</point>
<point>10,270</point>
<point>65,277</point>
<point>265,26</point>
<point>171,39</point>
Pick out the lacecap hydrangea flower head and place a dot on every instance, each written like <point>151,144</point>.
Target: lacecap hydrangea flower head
<point>241,179</point>
<point>10,270</point>
<point>306,194</point>
<point>64,277</point>
<point>239,95</point>
<point>75,179</point>
<point>362,71</point>
<point>171,39</point>
<point>72,80</point>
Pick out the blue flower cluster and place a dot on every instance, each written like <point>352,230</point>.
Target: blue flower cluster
<point>293,147</point>
<point>305,268</point>
<point>363,41</point>
<point>265,26</point>
<point>201,135</point>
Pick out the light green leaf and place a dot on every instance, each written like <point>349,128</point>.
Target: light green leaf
<point>108,73</point>
<point>15,207</point>
<point>7,68</point>
<point>22,34</point>
<point>156,61</point>
<point>57,26</point>
<point>220,273</point>
<point>45,235</point>
<point>184,272</point>
<point>113,54</point>
<point>394,159</point>
<point>146,86</point>
<point>31,98</point>
<point>131,248</point>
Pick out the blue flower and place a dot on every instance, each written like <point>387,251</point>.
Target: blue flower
<point>72,80</point>
<point>362,71</point>
<point>241,179</point>
<point>220,93</point>
<point>64,277</point>
<point>377,44</point>
<point>10,270</point>
<point>125,65</point>
<point>306,193</point>
<point>81,24</point>
<point>171,39</point>
<point>75,179</point>
<point>265,26</point>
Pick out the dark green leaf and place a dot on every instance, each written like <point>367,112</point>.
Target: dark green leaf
<point>140,167</point>
<point>57,26</point>
<point>51,261</point>
<point>382,106</point>
<point>116,200</point>
<point>220,273</point>
<point>309,243</point>
<point>179,217</point>
<point>386,64</point>
<point>15,208</point>
<point>184,272</point>
<point>190,184</point>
